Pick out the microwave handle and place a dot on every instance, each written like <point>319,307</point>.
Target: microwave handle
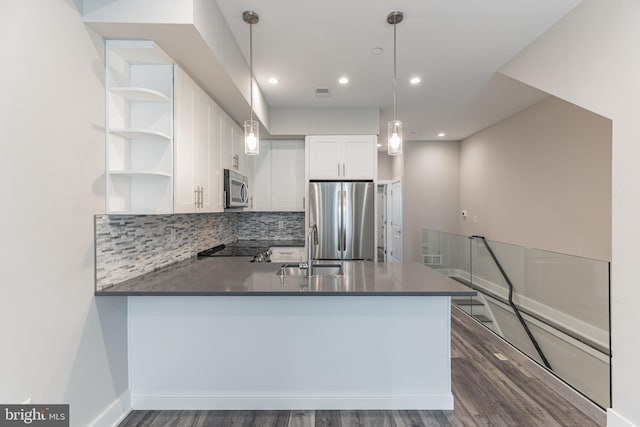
<point>244,193</point>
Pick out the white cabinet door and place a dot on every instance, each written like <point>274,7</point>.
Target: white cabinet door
<point>342,157</point>
<point>202,167</point>
<point>215,189</point>
<point>325,155</point>
<point>261,182</point>
<point>287,175</point>
<point>184,146</point>
<point>197,174</point>
<point>226,142</point>
<point>359,157</point>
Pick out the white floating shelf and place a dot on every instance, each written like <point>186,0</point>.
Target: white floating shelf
<point>139,173</point>
<point>140,134</point>
<point>140,94</point>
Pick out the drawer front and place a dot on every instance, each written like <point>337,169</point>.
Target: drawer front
<point>282,254</point>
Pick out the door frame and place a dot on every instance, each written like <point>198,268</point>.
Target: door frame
<point>385,244</point>
<point>390,218</point>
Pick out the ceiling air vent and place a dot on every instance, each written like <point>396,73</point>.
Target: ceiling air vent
<point>322,92</point>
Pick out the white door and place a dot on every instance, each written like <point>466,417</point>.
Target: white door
<point>382,222</point>
<point>396,221</point>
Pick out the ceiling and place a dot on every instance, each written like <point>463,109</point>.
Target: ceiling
<point>456,47</point>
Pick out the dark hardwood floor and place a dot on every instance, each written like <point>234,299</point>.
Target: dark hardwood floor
<point>488,392</point>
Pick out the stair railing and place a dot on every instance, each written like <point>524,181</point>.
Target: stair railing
<point>512,304</point>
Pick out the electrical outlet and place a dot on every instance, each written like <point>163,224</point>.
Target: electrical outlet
<point>280,225</point>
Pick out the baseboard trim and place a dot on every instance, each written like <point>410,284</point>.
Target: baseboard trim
<point>156,401</point>
<point>115,412</point>
<point>614,419</point>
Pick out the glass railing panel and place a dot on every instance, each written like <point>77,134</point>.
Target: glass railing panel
<point>571,290</point>
<point>445,251</point>
<point>563,300</point>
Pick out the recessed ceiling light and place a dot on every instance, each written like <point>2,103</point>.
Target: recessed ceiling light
<point>343,80</point>
<point>273,80</point>
<point>376,51</point>
<point>441,134</point>
<point>415,80</point>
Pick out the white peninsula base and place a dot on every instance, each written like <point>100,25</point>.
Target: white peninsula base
<point>284,352</point>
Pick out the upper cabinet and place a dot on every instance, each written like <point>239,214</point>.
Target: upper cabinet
<point>139,127</point>
<point>197,175</point>
<point>342,157</point>
<point>278,176</point>
<point>233,157</point>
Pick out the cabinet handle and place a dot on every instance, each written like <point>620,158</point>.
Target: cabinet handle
<point>286,253</point>
<point>338,168</point>
<point>344,173</point>
<point>303,203</point>
<point>195,197</point>
<point>202,197</point>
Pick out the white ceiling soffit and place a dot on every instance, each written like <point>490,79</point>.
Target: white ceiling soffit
<point>457,47</point>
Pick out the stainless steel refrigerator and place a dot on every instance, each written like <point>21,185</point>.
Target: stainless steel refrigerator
<point>344,215</point>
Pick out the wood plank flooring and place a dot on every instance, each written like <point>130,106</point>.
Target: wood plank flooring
<point>487,391</point>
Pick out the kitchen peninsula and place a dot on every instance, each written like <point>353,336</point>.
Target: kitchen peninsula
<point>222,333</point>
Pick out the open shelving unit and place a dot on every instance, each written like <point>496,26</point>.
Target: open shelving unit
<point>139,131</point>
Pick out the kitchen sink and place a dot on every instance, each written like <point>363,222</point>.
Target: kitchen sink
<point>318,270</point>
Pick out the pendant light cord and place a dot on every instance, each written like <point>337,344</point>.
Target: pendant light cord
<point>251,71</point>
<point>395,80</point>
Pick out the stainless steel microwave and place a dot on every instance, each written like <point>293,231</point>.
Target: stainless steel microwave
<point>236,189</point>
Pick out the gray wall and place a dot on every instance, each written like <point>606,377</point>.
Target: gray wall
<point>563,62</point>
<point>430,192</point>
<point>385,166</point>
<point>541,178</point>
<point>60,343</point>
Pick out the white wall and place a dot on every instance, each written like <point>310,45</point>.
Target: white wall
<point>431,189</point>
<point>590,59</point>
<point>541,178</point>
<point>385,166</point>
<point>324,121</point>
<point>59,343</point>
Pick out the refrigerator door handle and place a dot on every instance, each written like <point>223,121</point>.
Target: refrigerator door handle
<point>339,216</point>
<point>343,218</point>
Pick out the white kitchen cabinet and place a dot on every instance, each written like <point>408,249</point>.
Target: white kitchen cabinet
<point>287,254</point>
<point>261,183</point>
<point>233,157</point>
<point>287,176</point>
<point>139,128</point>
<point>278,179</point>
<point>197,176</point>
<point>342,157</point>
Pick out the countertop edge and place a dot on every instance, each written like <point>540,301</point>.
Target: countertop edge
<point>287,294</point>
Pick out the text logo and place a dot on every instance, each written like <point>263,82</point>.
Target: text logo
<point>34,415</point>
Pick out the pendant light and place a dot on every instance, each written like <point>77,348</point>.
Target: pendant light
<point>251,127</point>
<point>394,146</point>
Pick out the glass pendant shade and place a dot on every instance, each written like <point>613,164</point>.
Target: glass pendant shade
<point>394,146</point>
<point>251,138</point>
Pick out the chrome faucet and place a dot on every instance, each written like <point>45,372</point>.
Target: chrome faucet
<point>312,240</point>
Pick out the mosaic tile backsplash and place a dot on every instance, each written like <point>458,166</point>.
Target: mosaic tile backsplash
<point>131,245</point>
<point>266,225</point>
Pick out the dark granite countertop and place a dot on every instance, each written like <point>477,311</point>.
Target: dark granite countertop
<point>237,276</point>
